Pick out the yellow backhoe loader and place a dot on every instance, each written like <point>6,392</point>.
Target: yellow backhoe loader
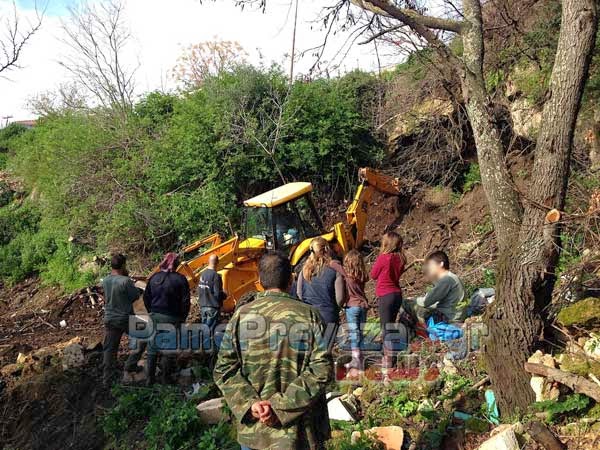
<point>284,219</point>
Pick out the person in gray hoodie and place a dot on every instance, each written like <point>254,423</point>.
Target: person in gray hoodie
<point>444,300</point>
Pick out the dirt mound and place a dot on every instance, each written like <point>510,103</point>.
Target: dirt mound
<point>55,410</point>
<point>34,320</point>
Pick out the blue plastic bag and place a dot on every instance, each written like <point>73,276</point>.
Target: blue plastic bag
<point>442,331</point>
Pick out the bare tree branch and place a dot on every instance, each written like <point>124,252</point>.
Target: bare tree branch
<point>98,39</point>
<point>15,37</point>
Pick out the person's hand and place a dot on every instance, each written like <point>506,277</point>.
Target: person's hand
<point>269,418</point>
<point>260,409</point>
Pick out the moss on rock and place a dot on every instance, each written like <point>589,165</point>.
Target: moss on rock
<point>579,364</point>
<point>584,312</point>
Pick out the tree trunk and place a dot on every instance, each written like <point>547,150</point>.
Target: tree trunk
<point>502,199</point>
<point>525,277</point>
<point>528,247</point>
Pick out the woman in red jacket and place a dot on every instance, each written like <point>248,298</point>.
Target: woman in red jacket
<point>386,271</point>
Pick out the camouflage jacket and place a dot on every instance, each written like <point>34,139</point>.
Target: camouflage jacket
<point>273,350</point>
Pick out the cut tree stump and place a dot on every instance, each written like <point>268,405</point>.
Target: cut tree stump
<point>575,382</point>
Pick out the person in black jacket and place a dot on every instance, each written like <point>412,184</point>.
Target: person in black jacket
<point>167,299</point>
<point>210,293</point>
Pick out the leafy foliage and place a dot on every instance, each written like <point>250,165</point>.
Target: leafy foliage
<point>167,420</point>
<point>554,409</point>
<point>472,177</point>
<point>180,166</point>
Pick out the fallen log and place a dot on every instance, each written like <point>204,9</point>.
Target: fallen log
<point>575,382</point>
<point>543,436</point>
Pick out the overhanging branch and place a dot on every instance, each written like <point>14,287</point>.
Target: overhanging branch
<point>409,16</point>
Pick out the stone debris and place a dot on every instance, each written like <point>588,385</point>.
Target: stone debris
<point>212,411</point>
<point>21,358</point>
<point>342,408</point>
<point>504,440</point>
<point>544,390</point>
<point>391,437</point>
<point>72,356</point>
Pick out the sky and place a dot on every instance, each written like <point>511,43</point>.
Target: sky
<point>162,28</point>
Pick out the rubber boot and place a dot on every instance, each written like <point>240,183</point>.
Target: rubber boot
<point>151,370</point>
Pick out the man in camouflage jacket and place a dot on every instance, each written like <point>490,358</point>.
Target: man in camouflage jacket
<point>273,366</point>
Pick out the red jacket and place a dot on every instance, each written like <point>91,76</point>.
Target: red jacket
<point>387,271</point>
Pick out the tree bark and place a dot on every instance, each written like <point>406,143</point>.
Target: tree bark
<point>525,276</point>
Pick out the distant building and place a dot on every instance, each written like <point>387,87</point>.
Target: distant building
<point>26,123</point>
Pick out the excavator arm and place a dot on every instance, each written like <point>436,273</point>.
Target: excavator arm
<point>357,213</point>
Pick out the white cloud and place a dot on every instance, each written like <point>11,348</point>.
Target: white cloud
<point>162,27</point>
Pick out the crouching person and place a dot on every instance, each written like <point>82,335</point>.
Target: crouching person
<point>445,299</point>
<point>119,294</point>
<point>273,366</point>
<point>167,299</point>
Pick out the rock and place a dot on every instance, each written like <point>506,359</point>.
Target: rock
<point>11,370</point>
<point>505,440</point>
<point>63,323</point>
<point>466,248</point>
<point>94,346</point>
<point>340,410</point>
<point>584,313</point>
<point>392,437</point>
<point>72,356</point>
<point>427,111</point>
<point>591,347</point>
<point>21,358</point>
<point>212,411</point>
<point>526,118</point>
<point>579,364</point>
<point>449,367</point>
<point>516,427</point>
<point>543,389</point>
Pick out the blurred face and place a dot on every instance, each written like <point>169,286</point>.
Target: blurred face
<point>433,269</point>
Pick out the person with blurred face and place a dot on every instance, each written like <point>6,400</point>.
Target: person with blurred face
<point>444,300</point>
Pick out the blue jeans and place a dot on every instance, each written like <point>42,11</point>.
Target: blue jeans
<point>243,447</point>
<point>356,316</point>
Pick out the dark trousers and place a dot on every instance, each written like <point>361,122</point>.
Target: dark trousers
<point>389,308</point>
<point>112,340</point>
<point>158,344</point>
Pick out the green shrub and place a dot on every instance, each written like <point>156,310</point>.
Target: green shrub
<point>554,409</point>
<point>181,165</point>
<point>167,420</point>
<point>472,177</point>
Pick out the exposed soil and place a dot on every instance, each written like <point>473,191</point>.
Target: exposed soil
<point>31,318</point>
<point>56,410</point>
